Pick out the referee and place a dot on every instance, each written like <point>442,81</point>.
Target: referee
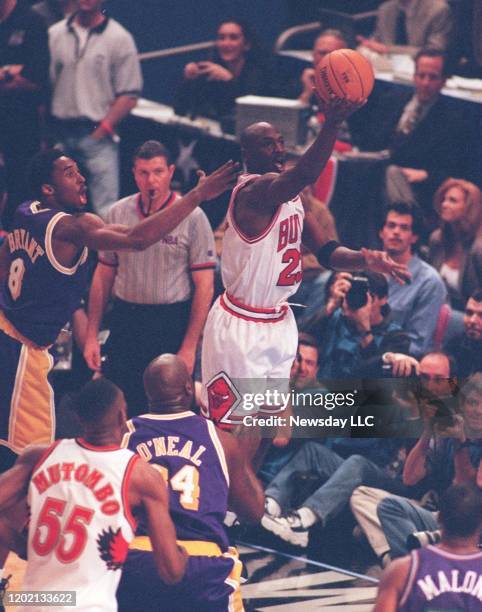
<point>161,296</point>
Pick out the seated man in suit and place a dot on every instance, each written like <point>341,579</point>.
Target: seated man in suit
<point>411,24</point>
<point>426,136</point>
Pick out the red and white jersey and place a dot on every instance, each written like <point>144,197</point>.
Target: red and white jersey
<point>80,522</point>
<point>262,272</point>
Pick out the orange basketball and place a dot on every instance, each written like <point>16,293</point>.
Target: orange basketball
<point>344,73</point>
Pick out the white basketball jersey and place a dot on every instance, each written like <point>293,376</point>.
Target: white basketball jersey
<point>265,270</point>
<point>80,522</point>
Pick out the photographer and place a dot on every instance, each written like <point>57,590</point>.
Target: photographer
<point>447,455</point>
<point>355,331</point>
<point>434,386</point>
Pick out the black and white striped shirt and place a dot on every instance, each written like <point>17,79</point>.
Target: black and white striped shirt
<point>162,273</point>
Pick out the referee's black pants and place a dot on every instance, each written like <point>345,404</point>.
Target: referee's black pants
<point>138,334</point>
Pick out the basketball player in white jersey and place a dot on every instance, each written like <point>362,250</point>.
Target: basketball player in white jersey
<point>83,495</point>
<point>250,331</point>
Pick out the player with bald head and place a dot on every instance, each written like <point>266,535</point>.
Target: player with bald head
<point>205,472</point>
<point>251,332</point>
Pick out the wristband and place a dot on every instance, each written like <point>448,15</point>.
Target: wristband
<point>325,252</point>
<point>105,125</point>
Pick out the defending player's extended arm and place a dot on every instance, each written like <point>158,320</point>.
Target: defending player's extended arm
<point>89,230</point>
<point>149,494</point>
<point>246,496</point>
<point>391,586</point>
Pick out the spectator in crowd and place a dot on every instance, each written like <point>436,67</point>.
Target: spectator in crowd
<point>161,296</point>
<point>326,42</point>
<point>444,576</point>
<point>426,136</point>
<point>304,373</point>
<point>24,66</point>
<point>353,337</point>
<point>415,306</point>
<point>96,79</point>
<point>342,476</point>
<point>456,246</point>
<point>467,348</point>
<point>235,69</point>
<point>303,378</point>
<point>54,10</point>
<point>436,382</point>
<point>412,24</point>
<point>450,455</point>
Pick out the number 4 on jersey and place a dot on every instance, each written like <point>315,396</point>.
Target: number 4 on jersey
<point>184,481</point>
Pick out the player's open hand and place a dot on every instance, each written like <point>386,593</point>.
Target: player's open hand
<point>219,181</point>
<point>335,109</point>
<point>379,261</point>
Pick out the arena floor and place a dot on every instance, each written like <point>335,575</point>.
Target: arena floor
<point>281,582</point>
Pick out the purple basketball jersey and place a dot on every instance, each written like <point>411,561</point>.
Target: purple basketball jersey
<point>187,451</point>
<point>439,580</point>
<point>39,294</point>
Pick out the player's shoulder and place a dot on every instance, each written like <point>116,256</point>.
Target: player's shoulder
<point>249,184</point>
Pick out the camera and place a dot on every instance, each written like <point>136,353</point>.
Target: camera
<point>357,295</point>
<point>419,539</point>
<point>444,415</point>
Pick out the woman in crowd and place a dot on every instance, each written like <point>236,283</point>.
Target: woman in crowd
<point>210,88</point>
<point>455,248</point>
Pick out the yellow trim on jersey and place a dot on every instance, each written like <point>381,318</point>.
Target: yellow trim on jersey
<point>126,437</point>
<point>32,412</point>
<point>167,417</point>
<point>50,252</point>
<point>195,548</point>
<point>234,580</point>
<point>219,449</point>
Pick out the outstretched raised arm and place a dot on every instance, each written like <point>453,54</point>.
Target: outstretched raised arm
<point>89,230</point>
<point>272,189</point>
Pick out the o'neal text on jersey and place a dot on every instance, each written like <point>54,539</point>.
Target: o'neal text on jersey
<point>167,445</point>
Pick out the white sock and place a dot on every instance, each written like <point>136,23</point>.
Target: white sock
<point>307,516</point>
<point>272,507</point>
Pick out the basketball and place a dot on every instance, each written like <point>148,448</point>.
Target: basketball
<point>344,73</point>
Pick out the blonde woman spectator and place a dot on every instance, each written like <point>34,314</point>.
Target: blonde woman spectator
<point>455,248</point>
